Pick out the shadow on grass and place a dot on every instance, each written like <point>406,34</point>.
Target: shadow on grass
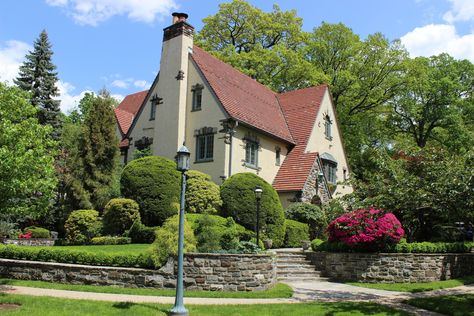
<point>129,305</point>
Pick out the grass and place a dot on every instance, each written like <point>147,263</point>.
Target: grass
<point>280,290</point>
<point>455,305</point>
<point>47,306</point>
<point>416,287</point>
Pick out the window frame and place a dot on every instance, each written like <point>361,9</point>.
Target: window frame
<point>328,127</point>
<point>251,149</point>
<point>205,144</point>
<point>330,171</point>
<point>197,96</point>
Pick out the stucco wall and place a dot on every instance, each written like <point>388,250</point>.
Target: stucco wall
<point>392,267</point>
<point>216,272</point>
<point>319,143</point>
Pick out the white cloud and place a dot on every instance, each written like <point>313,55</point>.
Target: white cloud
<point>434,39</point>
<point>141,84</point>
<point>122,84</point>
<point>69,100</point>
<point>92,12</point>
<point>12,54</point>
<point>461,10</point>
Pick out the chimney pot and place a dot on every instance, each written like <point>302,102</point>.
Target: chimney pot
<point>179,17</point>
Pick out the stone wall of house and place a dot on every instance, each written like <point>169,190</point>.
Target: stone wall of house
<point>29,242</point>
<point>215,272</point>
<point>393,267</point>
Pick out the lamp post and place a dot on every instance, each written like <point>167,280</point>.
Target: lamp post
<point>258,196</point>
<point>182,164</point>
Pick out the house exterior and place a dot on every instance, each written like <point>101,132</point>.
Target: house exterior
<point>232,124</point>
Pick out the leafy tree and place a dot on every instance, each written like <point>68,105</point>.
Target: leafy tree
<point>27,176</point>
<point>430,106</point>
<point>79,114</point>
<point>265,46</point>
<point>93,164</point>
<point>38,77</point>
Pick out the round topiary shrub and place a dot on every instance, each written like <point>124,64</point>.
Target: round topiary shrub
<point>202,194</point>
<point>38,232</point>
<point>366,230</point>
<point>119,215</point>
<point>239,202</point>
<point>310,214</point>
<point>81,226</point>
<point>154,183</point>
<point>166,242</point>
<point>295,233</point>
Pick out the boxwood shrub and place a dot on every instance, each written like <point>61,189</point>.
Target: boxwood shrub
<point>81,226</point>
<point>310,214</point>
<point>110,240</point>
<point>38,232</point>
<point>154,183</point>
<point>295,233</point>
<point>202,194</point>
<point>55,254</point>
<point>119,215</point>
<point>141,234</point>
<point>239,202</point>
<point>402,247</point>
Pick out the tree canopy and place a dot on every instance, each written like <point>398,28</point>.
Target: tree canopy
<point>27,175</point>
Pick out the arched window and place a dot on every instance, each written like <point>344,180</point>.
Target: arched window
<point>329,167</point>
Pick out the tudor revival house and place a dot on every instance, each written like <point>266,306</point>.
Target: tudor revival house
<point>231,123</point>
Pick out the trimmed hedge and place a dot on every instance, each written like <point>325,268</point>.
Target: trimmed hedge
<point>402,247</point>
<point>238,196</point>
<point>141,234</point>
<point>38,232</point>
<point>73,256</point>
<point>119,215</point>
<point>154,183</point>
<point>81,226</point>
<point>295,233</point>
<point>111,240</point>
<point>202,194</point>
<point>310,214</point>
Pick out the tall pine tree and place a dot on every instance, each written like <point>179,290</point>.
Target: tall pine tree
<point>37,75</point>
<point>93,163</point>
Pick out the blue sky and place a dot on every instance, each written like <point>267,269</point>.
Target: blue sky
<point>116,43</point>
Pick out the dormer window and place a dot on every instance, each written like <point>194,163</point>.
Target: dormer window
<point>197,97</point>
<point>328,127</point>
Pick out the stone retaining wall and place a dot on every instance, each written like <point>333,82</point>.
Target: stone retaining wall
<point>29,242</point>
<point>215,272</point>
<point>393,267</point>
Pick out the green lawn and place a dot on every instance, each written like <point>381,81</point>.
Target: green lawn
<point>280,290</point>
<point>455,305</point>
<point>46,306</point>
<point>416,287</point>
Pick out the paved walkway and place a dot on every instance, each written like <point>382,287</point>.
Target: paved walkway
<point>303,292</point>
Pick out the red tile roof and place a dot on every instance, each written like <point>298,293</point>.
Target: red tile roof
<point>244,98</point>
<point>300,108</point>
<point>127,110</point>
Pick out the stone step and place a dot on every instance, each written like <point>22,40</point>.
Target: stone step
<point>302,279</point>
<point>296,262</point>
<point>297,271</point>
<point>285,265</point>
<point>313,273</point>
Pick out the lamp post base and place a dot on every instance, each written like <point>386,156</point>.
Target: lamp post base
<point>178,311</point>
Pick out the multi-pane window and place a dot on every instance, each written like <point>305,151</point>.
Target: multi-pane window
<point>330,169</point>
<point>197,97</point>
<point>328,127</point>
<point>204,147</point>
<point>251,153</point>
<point>153,110</point>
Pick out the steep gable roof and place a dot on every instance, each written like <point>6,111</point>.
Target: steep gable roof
<point>127,110</point>
<point>243,98</point>
<point>300,108</point>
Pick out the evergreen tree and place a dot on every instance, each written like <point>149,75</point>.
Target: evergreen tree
<point>92,166</point>
<point>38,77</point>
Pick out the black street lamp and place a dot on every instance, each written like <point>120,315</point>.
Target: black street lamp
<point>182,164</point>
<point>258,197</point>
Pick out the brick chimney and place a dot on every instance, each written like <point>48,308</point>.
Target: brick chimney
<point>178,27</point>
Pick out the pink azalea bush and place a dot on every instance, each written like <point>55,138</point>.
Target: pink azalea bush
<point>363,229</point>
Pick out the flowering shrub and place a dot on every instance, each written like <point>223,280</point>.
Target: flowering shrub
<point>26,235</point>
<point>367,230</point>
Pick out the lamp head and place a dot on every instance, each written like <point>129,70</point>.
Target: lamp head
<point>258,192</point>
<point>182,159</point>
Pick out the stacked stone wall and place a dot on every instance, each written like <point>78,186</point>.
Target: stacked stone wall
<point>393,267</point>
<point>215,272</point>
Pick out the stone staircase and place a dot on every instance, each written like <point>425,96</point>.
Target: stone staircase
<point>292,266</point>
